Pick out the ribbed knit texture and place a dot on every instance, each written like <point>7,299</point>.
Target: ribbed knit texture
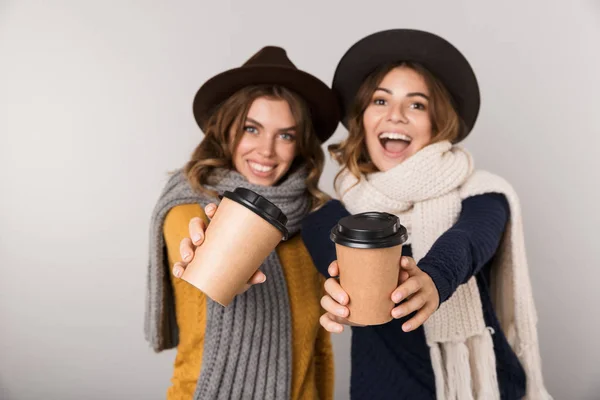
<point>425,191</point>
<point>312,355</point>
<point>388,363</point>
<point>247,344</point>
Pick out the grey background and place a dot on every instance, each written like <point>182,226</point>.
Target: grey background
<point>95,109</point>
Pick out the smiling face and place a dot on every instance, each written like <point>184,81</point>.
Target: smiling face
<point>398,110</point>
<point>268,145</point>
<point>397,121</point>
<point>265,132</point>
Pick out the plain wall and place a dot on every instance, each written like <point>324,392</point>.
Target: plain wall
<point>95,109</point>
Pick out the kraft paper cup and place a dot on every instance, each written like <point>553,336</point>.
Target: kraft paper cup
<point>245,229</point>
<point>369,247</point>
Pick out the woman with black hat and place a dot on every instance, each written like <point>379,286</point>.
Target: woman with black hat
<point>264,124</point>
<point>408,97</point>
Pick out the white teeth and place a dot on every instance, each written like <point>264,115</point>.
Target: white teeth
<point>395,136</point>
<point>260,167</point>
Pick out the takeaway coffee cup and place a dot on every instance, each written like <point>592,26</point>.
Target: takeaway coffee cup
<point>244,230</point>
<point>369,247</point>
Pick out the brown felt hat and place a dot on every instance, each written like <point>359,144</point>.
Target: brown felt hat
<point>271,66</point>
<point>436,54</point>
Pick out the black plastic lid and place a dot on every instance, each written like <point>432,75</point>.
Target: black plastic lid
<point>261,206</point>
<point>370,230</point>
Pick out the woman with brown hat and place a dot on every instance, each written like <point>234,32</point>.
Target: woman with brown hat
<point>408,98</point>
<point>264,124</point>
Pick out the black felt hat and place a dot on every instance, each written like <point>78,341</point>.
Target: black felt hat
<point>271,66</point>
<point>436,54</point>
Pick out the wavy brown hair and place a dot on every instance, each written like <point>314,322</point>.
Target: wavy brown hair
<point>352,154</point>
<point>215,150</point>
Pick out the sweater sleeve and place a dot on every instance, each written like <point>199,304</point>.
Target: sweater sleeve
<point>316,229</point>
<point>467,246</point>
<point>190,307</point>
<point>324,367</point>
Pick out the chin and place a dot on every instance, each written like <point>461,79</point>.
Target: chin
<point>261,181</point>
<point>387,164</point>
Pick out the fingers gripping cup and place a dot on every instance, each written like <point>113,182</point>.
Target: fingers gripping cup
<point>244,230</point>
<point>369,247</point>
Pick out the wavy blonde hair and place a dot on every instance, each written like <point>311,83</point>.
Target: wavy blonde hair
<point>215,150</point>
<point>352,153</point>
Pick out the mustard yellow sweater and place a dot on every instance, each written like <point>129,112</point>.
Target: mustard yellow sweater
<point>312,356</point>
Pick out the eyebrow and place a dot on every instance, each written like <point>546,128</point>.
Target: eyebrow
<point>411,94</point>
<point>414,94</point>
<point>388,91</point>
<point>255,122</point>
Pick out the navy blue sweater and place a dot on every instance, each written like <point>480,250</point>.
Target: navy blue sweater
<point>388,363</point>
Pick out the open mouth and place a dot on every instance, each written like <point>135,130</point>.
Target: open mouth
<point>394,142</point>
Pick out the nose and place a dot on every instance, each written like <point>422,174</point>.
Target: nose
<point>266,146</point>
<point>396,114</point>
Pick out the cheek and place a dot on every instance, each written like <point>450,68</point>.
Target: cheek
<point>287,152</point>
<point>371,139</point>
<point>247,144</point>
<point>243,148</point>
<point>370,120</point>
<point>372,144</point>
<point>422,135</point>
<point>425,131</point>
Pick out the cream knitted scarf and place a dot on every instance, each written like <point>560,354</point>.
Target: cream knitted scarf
<point>426,192</point>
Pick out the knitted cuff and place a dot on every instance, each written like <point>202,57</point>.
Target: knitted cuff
<point>441,283</point>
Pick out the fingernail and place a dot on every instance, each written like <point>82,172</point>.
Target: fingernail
<point>397,297</point>
<point>406,327</point>
<point>196,238</point>
<point>341,299</point>
<point>186,256</point>
<point>264,278</point>
<point>339,328</point>
<point>210,208</point>
<point>342,312</point>
<point>177,272</point>
<point>396,313</point>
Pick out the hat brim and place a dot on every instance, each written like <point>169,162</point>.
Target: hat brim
<point>436,54</point>
<point>319,97</point>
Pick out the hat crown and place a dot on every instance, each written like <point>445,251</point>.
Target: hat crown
<point>270,66</point>
<point>440,57</point>
<point>270,56</point>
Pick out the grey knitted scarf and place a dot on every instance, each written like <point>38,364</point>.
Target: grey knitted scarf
<point>247,345</point>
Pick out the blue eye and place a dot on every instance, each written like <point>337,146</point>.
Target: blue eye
<point>287,136</point>
<point>250,129</point>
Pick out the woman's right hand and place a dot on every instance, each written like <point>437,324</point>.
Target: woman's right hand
<point>335,303</point>
<point>336,300</point>
<point>188,245</point>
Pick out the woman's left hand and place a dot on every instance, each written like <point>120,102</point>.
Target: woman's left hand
<point>416,293</point>
<point>188,246</point>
